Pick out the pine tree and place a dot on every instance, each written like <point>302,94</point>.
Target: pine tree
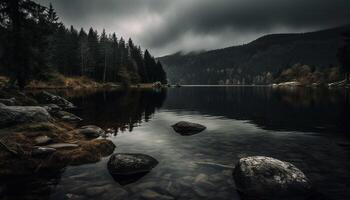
<point>344,56</point>
<point>115,58</point>
<point>161,75</point>
<point>93,55</point>
<point>83,49</point>
<point>150,66</point>
<point>73,52</point>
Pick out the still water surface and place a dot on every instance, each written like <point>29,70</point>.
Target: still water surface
<point>307,127</point>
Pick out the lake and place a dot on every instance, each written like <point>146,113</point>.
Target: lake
<point>304,126</point>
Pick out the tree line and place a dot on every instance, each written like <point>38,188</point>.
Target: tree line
<point>35,45</point>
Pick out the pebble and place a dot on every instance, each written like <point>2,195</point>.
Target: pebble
<point>186,181</point>
<point>94,191</point>
<point>115,194</point>
<point>144,186</point>
<point>201,177</point>
<point>74,197</point>
<point>149,194</point>
<point>216,177</point>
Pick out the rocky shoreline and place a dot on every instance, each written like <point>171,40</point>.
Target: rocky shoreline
<point>39,134</point>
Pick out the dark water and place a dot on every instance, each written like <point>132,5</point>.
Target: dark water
<point>307,127</point>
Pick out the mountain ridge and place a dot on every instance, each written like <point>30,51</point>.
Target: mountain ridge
<point>251,62</point>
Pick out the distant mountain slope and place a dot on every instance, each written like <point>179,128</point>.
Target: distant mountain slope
<point>258,61</point>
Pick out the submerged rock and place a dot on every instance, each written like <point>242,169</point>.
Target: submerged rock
<point>48,98</point>
<point>188,128</point>
<point>13,115</point>
<point>42,140</point>
<point>91,131</point>
<point>268,178</point>
<point>150,194</point>
<point>127,168</point>
<point>66,116</point>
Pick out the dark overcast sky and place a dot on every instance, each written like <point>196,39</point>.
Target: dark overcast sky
<point>168,26</point>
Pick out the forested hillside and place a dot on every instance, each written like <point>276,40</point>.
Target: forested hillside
<point>34,44</point>
<point>258,62</point>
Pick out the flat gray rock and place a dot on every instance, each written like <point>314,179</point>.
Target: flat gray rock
<point>42,151</point>
<point>62,146</point>
<point>14,115</point>
<point>188,128</point>
<point>66,116</point>
<point>269,178</point>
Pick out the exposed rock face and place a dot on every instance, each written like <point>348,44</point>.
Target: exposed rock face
<point>12,115</point>
<point>128,164</point>
<point>188,128</point>
<point>268,178</point>
<point>48,98</point>
<point>66,116</point>
<point>91,131</point>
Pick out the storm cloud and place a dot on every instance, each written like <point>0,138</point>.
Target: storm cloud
<point>168,26</point>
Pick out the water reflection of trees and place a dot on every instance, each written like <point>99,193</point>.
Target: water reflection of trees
<point>301,109</point>
<point>119,109</point>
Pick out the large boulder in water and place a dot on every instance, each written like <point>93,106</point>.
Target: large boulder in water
<point>48,98</point>
<point>268,178</point>
<point>13,115</point>
<point>126,168</point>
<point>188,128</point>
<point>127,163</point>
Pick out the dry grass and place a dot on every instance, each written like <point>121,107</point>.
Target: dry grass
<point>21,140</point>
<point>59,81</point>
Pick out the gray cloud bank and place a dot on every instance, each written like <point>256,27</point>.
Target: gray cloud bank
<point>167,26</point>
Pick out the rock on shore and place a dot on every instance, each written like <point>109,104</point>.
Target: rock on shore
<point>48,98</point>
<point>13,115</point>
<point>67,116</point>
<point>268,178</point>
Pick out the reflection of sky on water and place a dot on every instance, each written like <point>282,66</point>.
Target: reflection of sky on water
<point>182,159</point>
